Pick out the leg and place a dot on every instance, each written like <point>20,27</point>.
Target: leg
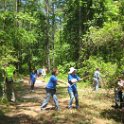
<point>13,98</point>
<point>56,101</point>
<point>9,89</point>
<point>45,102</point>
<point>76,99</point>
<point>120,98</point>
<point>123,100</point>
<point>71,94</point>
<point>96,84</point>
<point>116,98</point>
<point>32,85</point>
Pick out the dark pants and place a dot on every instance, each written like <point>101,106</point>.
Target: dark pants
<point>32,86</point>
<point>119,98</point>
<point>9,89</point>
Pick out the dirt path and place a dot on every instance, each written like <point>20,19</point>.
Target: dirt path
<point>27,108</point>
<point>27,105</point>
<point>95,107</point>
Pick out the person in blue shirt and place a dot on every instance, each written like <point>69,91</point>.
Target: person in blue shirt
<point>33,76</point>
<point>73,78</point>
<point>51,90</point>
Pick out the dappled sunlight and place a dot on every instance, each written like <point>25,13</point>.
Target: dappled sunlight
<point>113,114</point>
<point>95,107</point>
<point>18,119</point>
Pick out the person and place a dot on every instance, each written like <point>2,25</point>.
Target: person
<point>39,72</point>
<point>33,76</point>
<point>44,72</point>
<point>73,78</point>
<point>119,94</point>
<point>51,90</point>
<point>9,77</point>
<point>96,79</point>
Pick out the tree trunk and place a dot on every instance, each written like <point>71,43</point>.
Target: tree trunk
<point>53,33</point>
<point>47,33</point>
<point>5,8</point>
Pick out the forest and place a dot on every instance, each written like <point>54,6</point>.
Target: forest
<point>63,33</point>
<point>85,34</point>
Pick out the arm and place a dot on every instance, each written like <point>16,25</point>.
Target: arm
<point>63,82</point>
<point>76,79</point>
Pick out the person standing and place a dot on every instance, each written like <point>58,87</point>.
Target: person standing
<point>39,72</point>
<point>9,76</point>
<point>33,76</point>
<point>96,79</point>
<point>119,93</point>
<point>44,72</point>
<point>73,78</point>
<point>51,90</point>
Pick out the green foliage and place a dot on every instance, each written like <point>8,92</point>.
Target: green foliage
<point>107,69</point>
<point>107,41</point>
<point>104,36</point>
<point>67,33</point>
<point>112,10</point>
<point>23,36</point>
<point>26,17</point>
<point>25,68</point>
<point>65,67</point>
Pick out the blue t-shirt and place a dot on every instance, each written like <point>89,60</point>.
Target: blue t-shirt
<point>33,77</point>
<point>52,82</point>
<point>72,86</point>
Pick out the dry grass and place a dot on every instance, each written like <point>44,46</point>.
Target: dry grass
<point>95,108</point>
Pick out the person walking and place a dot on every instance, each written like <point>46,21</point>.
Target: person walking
<point>44,72</point>
<point>73,78</point>
<point>51,90</point>
<point>33,76</point>
<point>96,79</point>
<point>9,77</point>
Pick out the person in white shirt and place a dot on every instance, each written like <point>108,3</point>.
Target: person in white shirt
<point>44,72</point>
<point>96,79</point>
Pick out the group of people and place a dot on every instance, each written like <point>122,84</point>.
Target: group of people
<point>73,78</point>
<point>34,74</point>
<point>118,90</point>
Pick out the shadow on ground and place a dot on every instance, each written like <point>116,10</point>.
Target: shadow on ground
<point>19,119</point>
<point>115,114</point>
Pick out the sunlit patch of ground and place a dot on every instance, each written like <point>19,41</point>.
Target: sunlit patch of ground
<point>95,107</point>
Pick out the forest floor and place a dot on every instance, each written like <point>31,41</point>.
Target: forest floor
<point>95,107</point>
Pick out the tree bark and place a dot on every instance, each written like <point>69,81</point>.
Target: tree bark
<point>47,33</point>
<point>53,32</point>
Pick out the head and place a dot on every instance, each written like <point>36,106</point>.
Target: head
<point>72,70</point>
<point>33,69</point>
<point>97,69</point>
<point>55,71</point>
<point>119,78</point>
